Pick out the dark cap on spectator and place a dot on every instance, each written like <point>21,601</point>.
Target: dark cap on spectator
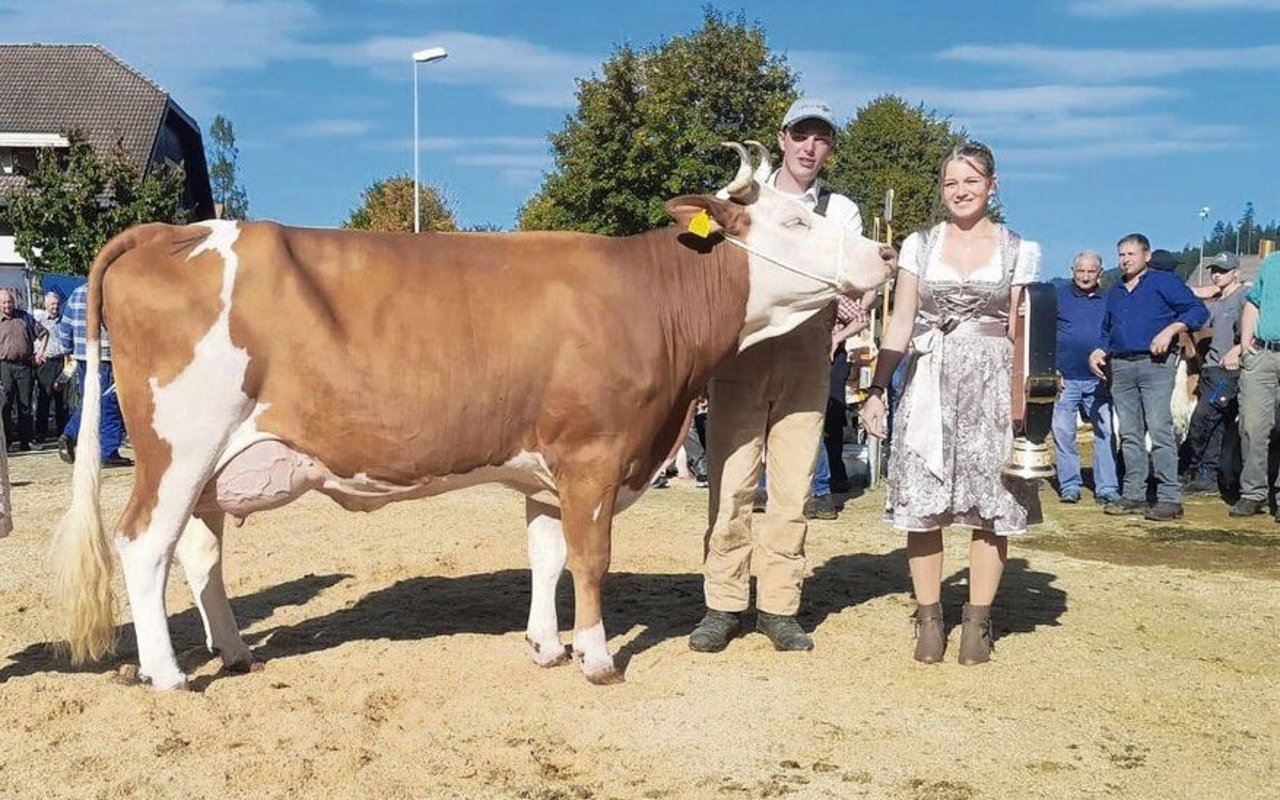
<point>1163,259</point>
<point>1224,262</point>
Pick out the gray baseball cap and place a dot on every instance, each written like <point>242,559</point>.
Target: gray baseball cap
<point>1224,262</point>
<point>809,108</point>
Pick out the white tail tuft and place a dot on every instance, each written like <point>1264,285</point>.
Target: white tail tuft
<point>79,554</point>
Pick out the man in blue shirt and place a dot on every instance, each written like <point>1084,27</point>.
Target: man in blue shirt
<point>112,425</point>
<point>1259,384</point>
<point>1146,310</point>
<point>1081,307</point>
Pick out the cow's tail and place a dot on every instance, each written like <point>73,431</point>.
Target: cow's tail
<point>80,554</point>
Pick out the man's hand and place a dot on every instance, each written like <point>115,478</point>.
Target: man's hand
<point>1098,362</point>
<point>1160,344</point>
<point>1231,359</point>
<point>889,256</point>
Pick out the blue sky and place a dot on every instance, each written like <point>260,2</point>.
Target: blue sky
<point>1106,116</point>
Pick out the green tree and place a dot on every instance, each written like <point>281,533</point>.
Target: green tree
<point>649,127</point>
<point>75,201</point>
<point>891,144</point>
<point>222,157</point>
<point>387,205</point>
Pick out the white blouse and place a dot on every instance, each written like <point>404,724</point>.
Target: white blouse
<point>1025,270</point>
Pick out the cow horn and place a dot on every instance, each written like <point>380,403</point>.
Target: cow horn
<point>740,186</point>
<point>766,168</point>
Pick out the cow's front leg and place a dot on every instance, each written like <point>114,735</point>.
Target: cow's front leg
<point>546,562</point>
<point>588,526</point>
<point>200,553</point>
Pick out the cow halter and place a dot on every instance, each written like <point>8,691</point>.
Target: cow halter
<point>742,182</point>
<point>833,282</point>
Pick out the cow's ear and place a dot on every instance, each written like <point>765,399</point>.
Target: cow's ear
<point>725,216</point>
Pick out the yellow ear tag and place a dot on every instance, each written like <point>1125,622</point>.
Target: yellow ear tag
<point>700,225</point>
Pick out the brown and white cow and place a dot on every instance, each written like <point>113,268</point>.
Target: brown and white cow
<point>255,362</point>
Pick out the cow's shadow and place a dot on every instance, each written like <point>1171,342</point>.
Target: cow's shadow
<point>186,628</point>
<point>660,606</point>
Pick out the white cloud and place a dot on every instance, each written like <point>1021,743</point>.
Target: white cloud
<point>1107,65</point>
<point>519,72</point>
<point>1057,98</point>
<point>1118,8</point>
<point>331,128</point>
<point>499,142</point>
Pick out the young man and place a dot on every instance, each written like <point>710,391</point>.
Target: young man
<point>1259,362</point>
<point>1145,312</point>
<point>767,409</point>
<point>1219,379</point>
<point>1081,307</point>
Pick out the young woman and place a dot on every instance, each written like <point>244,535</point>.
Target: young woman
<point>953,431</point>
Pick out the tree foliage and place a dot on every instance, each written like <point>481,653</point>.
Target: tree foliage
<point>649,127</point>
<point>222,157</point>
<point>1241,236</point>
<point>890,144</point>
<point>387,205</point>
<point>74,202</point>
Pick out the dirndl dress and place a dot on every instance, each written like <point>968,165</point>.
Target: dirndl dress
<point>953,430</point>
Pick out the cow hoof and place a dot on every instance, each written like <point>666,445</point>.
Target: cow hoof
<point>601,673</point>
<point>547,655</point>
<point>243,666</point>
<point>130,675</point>
<point>127,675</point>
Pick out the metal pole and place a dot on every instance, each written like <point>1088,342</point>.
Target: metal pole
<point>416,200</point>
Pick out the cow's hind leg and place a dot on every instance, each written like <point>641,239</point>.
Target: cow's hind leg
<point>145,561</point>
<point>200,553</point>
<point>587,510</point>
<point>546,562</point>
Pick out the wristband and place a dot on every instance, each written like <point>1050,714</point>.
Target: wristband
<point>886,363</point>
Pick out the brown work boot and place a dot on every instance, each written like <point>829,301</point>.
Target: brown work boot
<point>976,642</point>
<point>931,639</point>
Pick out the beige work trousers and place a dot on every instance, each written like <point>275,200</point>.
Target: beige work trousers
<point>767,408</point>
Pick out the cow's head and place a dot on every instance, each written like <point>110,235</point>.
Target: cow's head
<point>798,260</point>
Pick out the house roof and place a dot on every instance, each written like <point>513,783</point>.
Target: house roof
<point>45,89</point>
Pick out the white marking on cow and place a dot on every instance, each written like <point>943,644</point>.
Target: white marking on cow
<point>195,416</point>
<point>145,562</point>
<point>547,553</point>
<point>595,512</point>
<point>593,649</point>
<point>200,553</point>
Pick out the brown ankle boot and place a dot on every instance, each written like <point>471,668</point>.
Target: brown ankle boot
<point>975,637</point>
<point>931,640</point>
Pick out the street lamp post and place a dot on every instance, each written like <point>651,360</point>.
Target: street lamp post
<point>1204,217</point>
<point>420,57</point>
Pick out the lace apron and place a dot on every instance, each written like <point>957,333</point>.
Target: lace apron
<point>952,430</point>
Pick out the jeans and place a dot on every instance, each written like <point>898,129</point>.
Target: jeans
<point>1141,391</point>
<point>111,427</point>
<point>822,474</point>
<point>1089,395</point>
<point>833,426</point>
<point>1202,449</point>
